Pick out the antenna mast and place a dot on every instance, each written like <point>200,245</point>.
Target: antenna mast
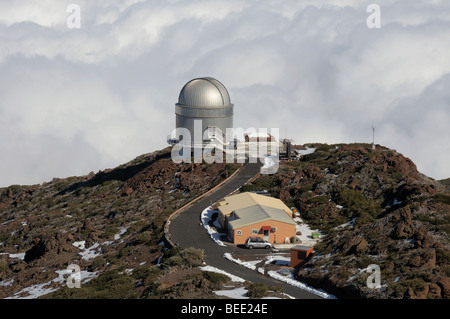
<point>373,136</point>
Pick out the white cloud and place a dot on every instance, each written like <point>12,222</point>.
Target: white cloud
<point>76,100</point>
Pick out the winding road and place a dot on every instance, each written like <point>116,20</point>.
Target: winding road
<point>186,230</point>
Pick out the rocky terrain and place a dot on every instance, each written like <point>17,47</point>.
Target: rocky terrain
<point>372,208</point>
<point>109,224</point>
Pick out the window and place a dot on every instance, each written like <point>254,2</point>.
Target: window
<point>254,231</point>
<point>238,232</point>
<point>274,229</point>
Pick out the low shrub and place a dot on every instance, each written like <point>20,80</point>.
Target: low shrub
<point>442,198</point>
<point>3,266</point>
<point>189,257</point>
<point>108,285</point>
<point>215,278</point>
<point>147,274</point>
<point>257,290</point>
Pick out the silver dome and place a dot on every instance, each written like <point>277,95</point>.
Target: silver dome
<point>204,92</point>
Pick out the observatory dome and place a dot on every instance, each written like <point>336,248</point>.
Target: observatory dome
<point>205,93</point>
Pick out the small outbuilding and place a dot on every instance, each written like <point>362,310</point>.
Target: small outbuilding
<point>300,255</point>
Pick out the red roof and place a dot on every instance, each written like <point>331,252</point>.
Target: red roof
<point>267,228</point>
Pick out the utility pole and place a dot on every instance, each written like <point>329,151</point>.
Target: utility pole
<point>373,136</point>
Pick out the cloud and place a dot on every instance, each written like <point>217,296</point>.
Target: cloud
<point>419,127</point>
<point>76,100</point>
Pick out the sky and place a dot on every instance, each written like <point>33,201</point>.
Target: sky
<point>76,98</point>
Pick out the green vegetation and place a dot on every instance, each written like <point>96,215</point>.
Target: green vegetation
<point>257,290</point>
<point>148,275</point>
<point>442,198</point>
<point>112,284</point>
<point>364,262</point>
<point>356,205</point>
<point>119,284</point>
<point>265,182</point>
<point>189,257</point>
<point>109,232</point>
<point>216,279</point>
<point>3,266</point>
<point>401,288</point>
<point>439,224</point>
<point>446,183</point>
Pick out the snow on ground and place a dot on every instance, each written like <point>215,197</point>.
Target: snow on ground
<point>278,260</point>
<point>88,253</point>
<point>19,256</point>
<point>305,237</point>
<point>350,223</point>
<point>214,269</point>
<point>80,244</point>
<point>287,276</point>
<point>36,291</point>
<point>206,217</point>
<point>305,152</point>
<point>240,262</point>
<point>306,232</point>
<point>122,231</point>
<point>95,250</point>
<point>284,274</point>
<point>6,283</point>
<point>238,293</point>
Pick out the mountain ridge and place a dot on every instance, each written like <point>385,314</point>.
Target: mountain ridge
<point>396,217</point>
<point>376,208</point>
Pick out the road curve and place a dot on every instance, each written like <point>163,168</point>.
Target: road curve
<point>186,230</point>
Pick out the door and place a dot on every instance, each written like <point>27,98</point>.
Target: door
<point>266,235</point>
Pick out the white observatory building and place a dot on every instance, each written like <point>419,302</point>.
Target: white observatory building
<point>204,105</point>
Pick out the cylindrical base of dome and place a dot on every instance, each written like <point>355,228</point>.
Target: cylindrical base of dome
<point>217,124</point>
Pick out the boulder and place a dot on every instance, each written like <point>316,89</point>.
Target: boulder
<point>444,285</point>
<point>356,246</point>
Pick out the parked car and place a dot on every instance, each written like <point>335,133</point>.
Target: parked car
<point>257,242</point>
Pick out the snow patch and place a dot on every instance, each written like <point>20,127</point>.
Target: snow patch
<point>240,262</point>
<point>307,151</point>
<point>87,253</point>
<point>306,232</point>
<point>238,293</point>
<point>7,283</point>
<point>350,223</point>
<point>278,260</point>
<point>219,271</point>
<point>80,244</point>
<point>288,277</point>
<point>206,216</point>
<point>122,231</point>
<point>36,291</point>
<point>18,256</point>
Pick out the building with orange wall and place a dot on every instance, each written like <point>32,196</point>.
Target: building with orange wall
<point>251,215</point>
<point>229,204</point>
<point>300,254</point>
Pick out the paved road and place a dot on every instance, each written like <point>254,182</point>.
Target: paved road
<point>187,231</point>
